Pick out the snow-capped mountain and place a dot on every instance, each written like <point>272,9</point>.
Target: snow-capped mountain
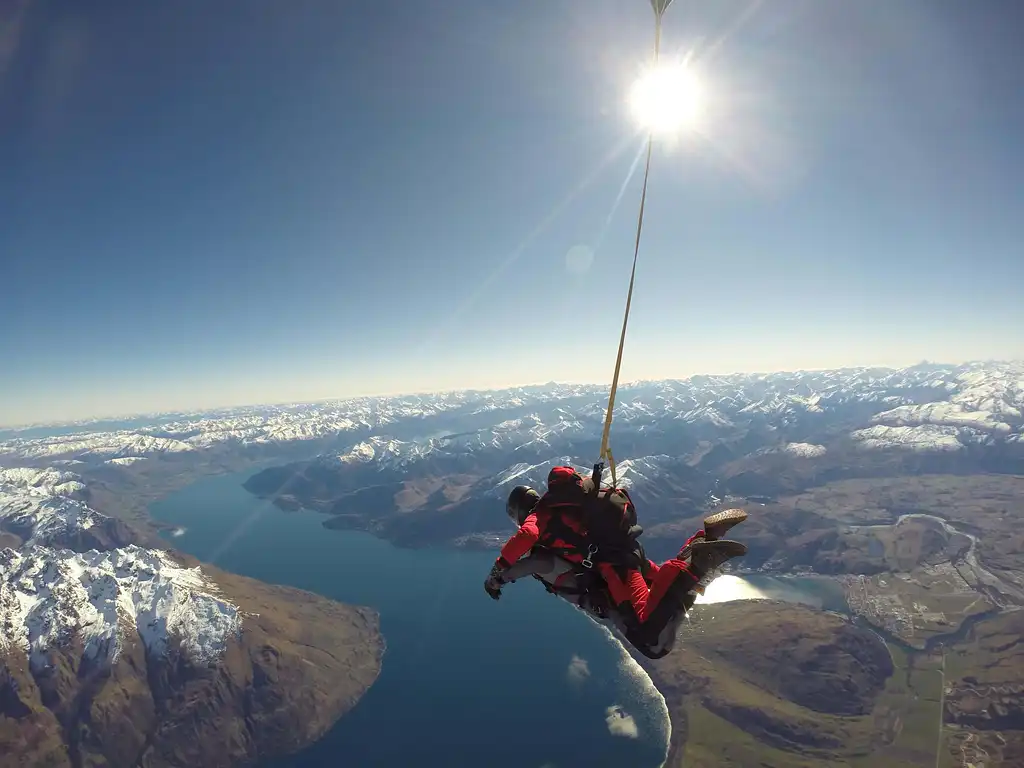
<point>912,407</point>
<point>629,473</point>
<point>106,599</point>
<point>102,594</point>
<point>44,482</point>
<point>680,444</point>
<point>261,426</point>
<point>920,408</point>
<point>115,654</point>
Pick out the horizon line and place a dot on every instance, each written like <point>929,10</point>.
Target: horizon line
<point>198,410</point>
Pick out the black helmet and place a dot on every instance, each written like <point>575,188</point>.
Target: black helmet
<point>520,503</point>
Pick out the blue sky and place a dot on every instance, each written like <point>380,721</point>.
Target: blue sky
<point>216,203</point>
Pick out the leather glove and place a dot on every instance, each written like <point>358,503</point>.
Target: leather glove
<point>494,582</point>
<point>493,589</point>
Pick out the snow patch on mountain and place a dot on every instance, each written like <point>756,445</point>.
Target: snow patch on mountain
<point>530,431</point>
<point>46,482</point>
<point>49,596</point>
<point>535,475</point>
<point>811,404</point>
<point>256,429</point>
<point>41,516</point>
<point>997,388</point>
<point>923,438</point>
<point>361,453</point>
<point>519,474</point>
<point>101,445</point>
<point>126,461</point>
<point>942,414</point>
<point>39,505</point>
<point>705,414</point>
<point>988,402</point>
<point>272,425</point>
<point>632,472</point>
<point>804,450</point>
<point>628,473</point>
<point>384,451</point>
<point>527,432</point>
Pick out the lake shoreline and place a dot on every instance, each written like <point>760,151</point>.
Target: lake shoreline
<point>435,629</point>
<point>168,484</point>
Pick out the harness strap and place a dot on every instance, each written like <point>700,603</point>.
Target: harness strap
<point>611,552</point>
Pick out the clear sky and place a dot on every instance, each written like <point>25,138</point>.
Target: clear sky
<point>208,203</point>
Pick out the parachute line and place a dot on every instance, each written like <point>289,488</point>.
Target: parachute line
<point>606,451</point>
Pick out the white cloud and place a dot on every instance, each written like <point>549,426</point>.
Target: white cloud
<point>579,670</point>
<point>620,722</point>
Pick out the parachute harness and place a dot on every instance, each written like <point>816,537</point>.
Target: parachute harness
<point>606,451</point>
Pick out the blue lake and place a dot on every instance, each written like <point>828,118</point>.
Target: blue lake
<point>466,681</point>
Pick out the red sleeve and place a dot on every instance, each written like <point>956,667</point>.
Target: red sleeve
<point>523,539</point>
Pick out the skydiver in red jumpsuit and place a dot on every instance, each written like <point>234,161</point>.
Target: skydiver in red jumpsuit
<point>645,600</point>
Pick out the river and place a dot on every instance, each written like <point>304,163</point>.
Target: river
<point>526,681</point>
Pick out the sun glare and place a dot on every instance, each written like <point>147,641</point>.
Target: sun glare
<point>667,98</point>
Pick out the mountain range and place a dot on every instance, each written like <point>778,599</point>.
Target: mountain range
<point>684,444</point>
<point>115,647</point>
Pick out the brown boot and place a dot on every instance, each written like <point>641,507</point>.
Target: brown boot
<point>706,556</point>
<point>716,525</point>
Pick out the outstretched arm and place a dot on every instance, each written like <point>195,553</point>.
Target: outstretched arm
<point>517,546</point>
<point>535,563</point>
<point>522,541</point>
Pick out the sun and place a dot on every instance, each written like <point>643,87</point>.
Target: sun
<point>667,98</point>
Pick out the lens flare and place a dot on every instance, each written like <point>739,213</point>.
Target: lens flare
<point>667,99</point>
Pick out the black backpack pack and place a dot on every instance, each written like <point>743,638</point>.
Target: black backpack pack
<point>607,517</point>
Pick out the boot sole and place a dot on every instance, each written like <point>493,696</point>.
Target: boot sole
<point>723,521</point>
<point>709,556</point>
<point>727,546</point>
<point>734,516</point>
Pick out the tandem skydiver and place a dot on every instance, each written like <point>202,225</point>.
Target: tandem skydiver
<point>581,542</point>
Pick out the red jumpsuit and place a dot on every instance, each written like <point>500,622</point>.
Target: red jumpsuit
<point>627,586</point>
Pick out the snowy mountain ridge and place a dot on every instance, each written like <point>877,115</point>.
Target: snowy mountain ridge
<point>42,505</point>
<point>42,482</point>
<point>629,473</point>
<point>986,405</point>
<point>50,594</point>
<point>982,400</point>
